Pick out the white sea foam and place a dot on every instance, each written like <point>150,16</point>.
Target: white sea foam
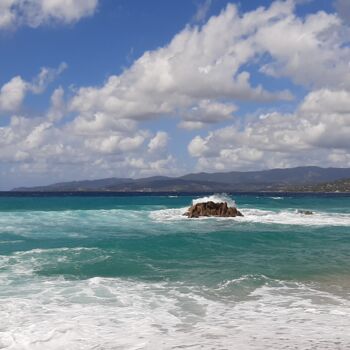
<point>291,217</point>
<point>168,214</point>
<point>281,217</point>
<point>102,313</point>
<point>216,198</point>
<point>22,265</point>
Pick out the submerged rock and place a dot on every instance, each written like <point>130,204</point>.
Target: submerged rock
<point>212,209</point>
<point>305,212</point>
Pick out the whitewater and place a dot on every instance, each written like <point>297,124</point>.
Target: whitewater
<point>131,272</point>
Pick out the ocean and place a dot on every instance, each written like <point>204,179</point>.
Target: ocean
<point>98,271</point>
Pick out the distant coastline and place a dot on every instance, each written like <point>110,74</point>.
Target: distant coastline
<point>301,179</point>
<point>89,195</point>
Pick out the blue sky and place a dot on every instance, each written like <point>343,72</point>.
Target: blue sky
<point>100,88</point>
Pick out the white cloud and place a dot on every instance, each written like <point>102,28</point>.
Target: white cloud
<point>116,143</point>
<point>317,133</point>
<point>327,101</point>
<point>193,67</point>
<point>52,145</point>
<point>58,106</point>
<point>196,74</point>
<point>7,16</point>
<point>206,112</point>
<point>145,167</point>
<point>33,13</point>
<point>200,77</point>
<point>99,123</point>
<point>311,51</point>
<point>159,142</point>
<point>13,92</point>
<point>39,146</point>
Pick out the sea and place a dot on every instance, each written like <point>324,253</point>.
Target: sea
<point>106,271</point>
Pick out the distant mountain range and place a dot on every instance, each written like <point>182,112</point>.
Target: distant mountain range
<point>292,179</point>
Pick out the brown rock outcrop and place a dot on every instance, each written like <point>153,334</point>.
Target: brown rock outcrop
<point>212,209</point>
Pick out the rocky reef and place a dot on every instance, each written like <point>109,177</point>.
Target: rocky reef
<point>212,209</point>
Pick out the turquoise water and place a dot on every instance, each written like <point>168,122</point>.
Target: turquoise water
<point>131,272</point>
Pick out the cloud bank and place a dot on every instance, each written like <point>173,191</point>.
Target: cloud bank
<point>199,79</point>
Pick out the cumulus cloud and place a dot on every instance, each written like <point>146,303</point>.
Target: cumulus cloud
<point>13,92</point>
<point>116,143</point>
<point>206,112</point>
<point>315,53</point>
<point>7,17</point>
<point>317,133</point>
<point>312,51</point>
<point>51,145</point>
<point>159,142</point>
<point>58,107</point>
<point>195,66</point>
<point>200,77</point>
<point>33,13</point>
<point>327,101</point>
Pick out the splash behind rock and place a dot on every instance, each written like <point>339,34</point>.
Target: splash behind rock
<point>212,209</point>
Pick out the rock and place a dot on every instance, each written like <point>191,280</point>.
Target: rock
<point>305,212</point>
<point>212,209</point>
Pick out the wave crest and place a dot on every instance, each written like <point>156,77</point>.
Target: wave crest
<point>216,198</point>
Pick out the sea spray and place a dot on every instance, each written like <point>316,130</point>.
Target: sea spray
<point>216,198</point>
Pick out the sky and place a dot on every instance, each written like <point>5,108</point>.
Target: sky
<point>131,88</point>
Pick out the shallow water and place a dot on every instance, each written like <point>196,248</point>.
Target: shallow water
<point>131,272</point>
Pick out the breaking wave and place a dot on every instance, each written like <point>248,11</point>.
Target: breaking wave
<point>57,314</point>
<point>216,198</point>
<point>283,217</point>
